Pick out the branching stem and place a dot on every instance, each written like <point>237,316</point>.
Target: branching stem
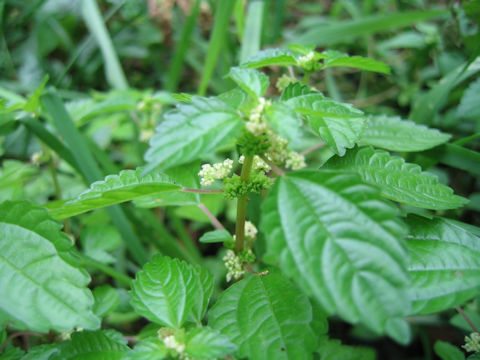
<point>242,206</point>
<point>215,222</point>
<point>203,191</point>
<point>467,319</point>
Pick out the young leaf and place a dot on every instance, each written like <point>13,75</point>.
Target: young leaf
<point>338,124</point>
<point>444,264</point>
<point>191,131</point>
<point>167,291</point>
<point>45,292</point>
<point>266,317</point>
<point>340,241</point>
<point>206,343</point>
<point>295,89</point>
<point>252,81</point>
<point>203,295</point>
<point>216,236</point>
<point>104,345</point>
<point>447,351</point>
<point>398,180</point>
<point>337,59</point>
<point>115,189</point>
<point>393,133</point>
<point>98,240</point>
<point>270,57</point>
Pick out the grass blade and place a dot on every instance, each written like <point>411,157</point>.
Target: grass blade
<point>90,170</point>
<point>330,33</point>
<point>94,21</point>
<point>176,65</point>
<point>217,38</point>
<point>252,34</point>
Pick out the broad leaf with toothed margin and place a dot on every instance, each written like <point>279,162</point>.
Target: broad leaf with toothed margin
<point>266,317</point>
<point>341,242</point>
<point>398,180</point>
<point>252,81</point>
<point>206,343</point>
<point>115,189</point>
<point>338,124</point>
<point>444,264</point>
<point>191,131</point>
<point>393,133</point>
<point>45,292</point>
<point>334,58</point>
<point>169,291</point>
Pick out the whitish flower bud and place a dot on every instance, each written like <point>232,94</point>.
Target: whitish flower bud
<point>233,265</point>
<point>295,161</point>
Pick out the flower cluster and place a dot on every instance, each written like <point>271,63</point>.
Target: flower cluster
<point>234,263</point>
<point>174,340</point>
<point>308,62</point>
<point>209,173</point>
<point>250,230</point>
<point>283,81</point>
<point>267,142</point>
<point>258,163</point>
<point>234,186</point>
<point>234,266</point>
<point>472,343</point>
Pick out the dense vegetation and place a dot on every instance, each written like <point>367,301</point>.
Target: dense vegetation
<point>239,179</point>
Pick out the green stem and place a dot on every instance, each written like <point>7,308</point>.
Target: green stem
<point>242,206</point>
<point>106,269</point>
<point>306,77</point>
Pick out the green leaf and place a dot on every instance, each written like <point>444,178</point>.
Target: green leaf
<point>270,57</point>
<point>252,35</point>
<point>206,343</point>
<point>94,21</point>
<point>223,13</point>
<point>41,352</point>
<point>468,107</point>
<point>216,236</point>
<point>98,240</point>
<point>45,292</point>
<point>334,32</point>
<point>398,180</point>
<point>295,89</point>
<point>426,106</point>
<point>191,131</point>
<point>106,300</point>
<point>266,317</point>
<point>149,349</point>
<point>341,242</point>
<point>333,350</point>
<point>12,353</point>
<point>168,291</point>
<point>33,101</point>
<point>393,133</point>
<point>252,81</point>
<point>93,345</point>
<point>444,264</point>
<point>447,351</point>
<point>337,59</point>
<point>338,124</point>
<point>115,189</point>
